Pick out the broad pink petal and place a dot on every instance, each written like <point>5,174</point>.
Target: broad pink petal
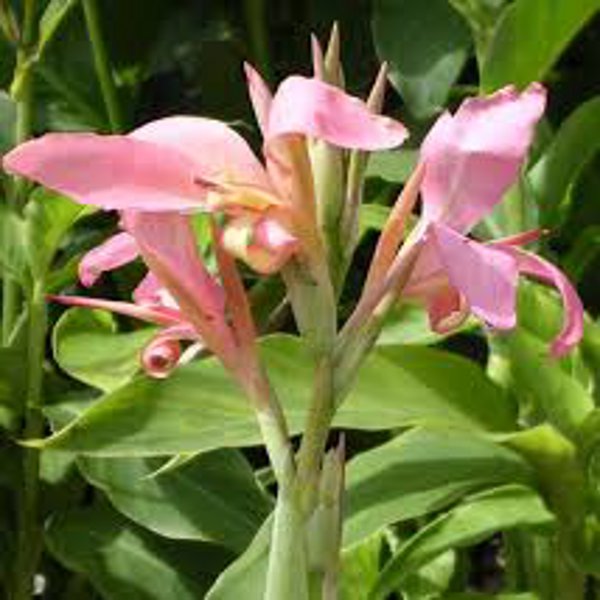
<point>533,265</point>
<point>157,315</point>
<point>110,171</point>
<point>216,151</point>
<point>260,96</point>
<point>473,157</point>
<point>485,276</point>
<point>316,109</point>
<point>115,252</point>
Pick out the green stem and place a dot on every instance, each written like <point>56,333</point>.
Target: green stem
<point>314,441</point>
<point>23,126</point>
<point>29,532</point>
<point>102,64</point>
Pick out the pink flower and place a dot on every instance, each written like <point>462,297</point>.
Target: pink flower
<point>192,163</point>
<point>470,159</point>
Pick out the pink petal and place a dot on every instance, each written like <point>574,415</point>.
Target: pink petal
<point>216,151</point>
<point>533,265</point>
<point>151,292</point>
<point>158,315</point>
<point>113,172</point>
<point>167,244</point>
<point>115,252</point>
<point>447,310</point>
<point>162,354</point>
<point>260,96</point>
<point>316,109</point>
<point>485,276</point>
<point>473,157</point>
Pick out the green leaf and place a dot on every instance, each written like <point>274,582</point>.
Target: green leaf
<point>199,408</point>
<point>212,498</point>
<point>373,216</point>
<point>87,346</point>
<point>572,148</point>
<point>530,37</point>
<point>475,596</point>
<point>48,218</point>
<point>124,561</point>
<point>431,579</point>
<point>536,376</point>
<point>426,45</point>
<point>8,116</point>
<point>13,246</point>
<point>50,21</point>
<point>474,520</point>
<point>245,578</point>
<point>392,165</point>
<point>13,384</point>
<point>419,472</point>
<point>360,568</point>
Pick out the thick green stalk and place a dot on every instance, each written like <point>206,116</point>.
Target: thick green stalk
<point>29,532</point>
<point>23,126</point>
<point>102,65</point>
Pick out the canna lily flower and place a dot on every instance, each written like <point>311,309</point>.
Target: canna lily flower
<point>185,164</point>
<point>470,159</point>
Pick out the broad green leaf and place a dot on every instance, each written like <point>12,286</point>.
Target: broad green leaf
<point>572,148</point>
<point>476,596</point>
<point>425,45</point>
<point>123,560</point>
<point>373,216</point>
<point>360,568</point>
<point>199,408</point>
<point>13,246</point>
<point>431,579</point>
<point>539,377</point>
<point>245,577</point>
<point>419,472</point>
<point>212,498</point>
<point>48,218</point>
<point>530,37</point>
<point>474,520</point>
<point>50,21</point>
<point>87,346</point>
<point>392,165</point>
<point>8,115</point>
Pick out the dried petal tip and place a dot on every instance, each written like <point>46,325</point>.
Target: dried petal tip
<point>317,58</point>
<point>377,94</point>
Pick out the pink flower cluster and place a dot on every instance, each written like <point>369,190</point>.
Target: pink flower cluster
<point>160,173</point>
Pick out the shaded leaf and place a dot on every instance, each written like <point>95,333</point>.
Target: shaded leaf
<point>125,561</point>
<point>213,498</point>
<point>472,521</point>
<point>8,115</point>
<point>426,45</point>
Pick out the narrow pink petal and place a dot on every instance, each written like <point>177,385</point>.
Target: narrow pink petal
<point>473,157</point>
<point>572,329</point>
<point>113,172</point>
<point>485,276</point>
<point>151,292</point>
<point>168,247</point>
<point>260,96</point>
<point>316,109</point>
<point>215,150</point>
<point>115,252</point>
<point>158,315</point>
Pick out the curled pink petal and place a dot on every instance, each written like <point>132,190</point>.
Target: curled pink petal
<point>473,157</point>
<point>110,171</point>
<point>215,151</point>
<point>447,310</point>
<point>260,96</point>
<point>115,252</point>
<point>537,267</point>
<point>316,109</point>
<point>163,353</point>
<point>157,315</point>
<point>485,276</point>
